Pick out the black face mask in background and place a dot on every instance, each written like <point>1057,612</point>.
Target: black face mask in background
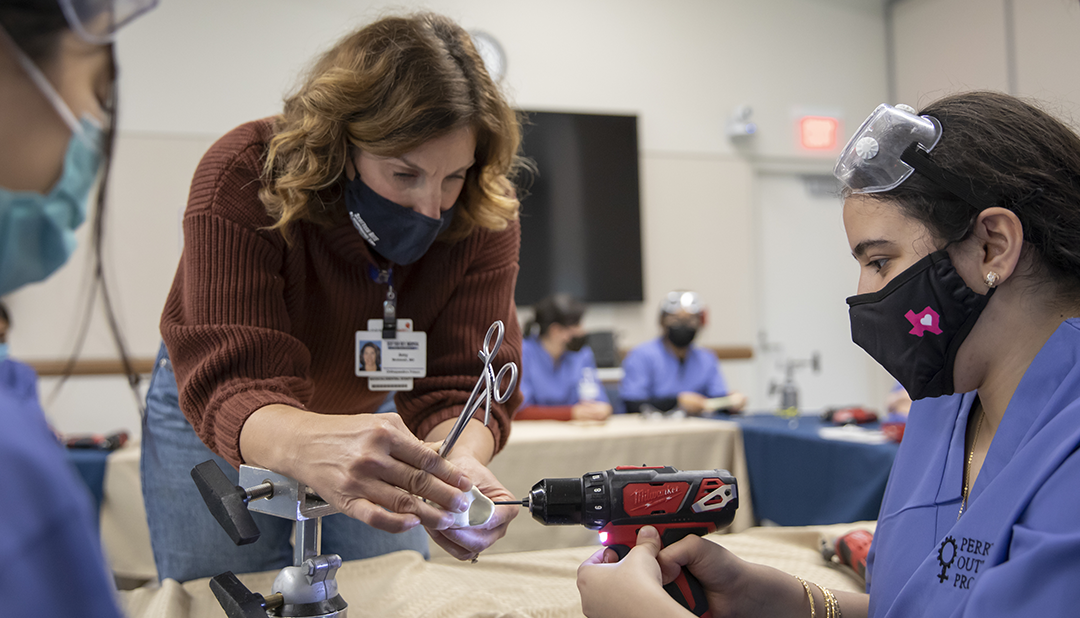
<point>575,344</point>
<point>914,326</point>
<point>681,335</point>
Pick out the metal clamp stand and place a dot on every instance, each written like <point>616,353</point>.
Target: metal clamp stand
<point>306,589</point>
<point>789,391</point>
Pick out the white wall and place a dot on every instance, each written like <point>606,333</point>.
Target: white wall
<point>193,69</point>
<point>1027,48</point>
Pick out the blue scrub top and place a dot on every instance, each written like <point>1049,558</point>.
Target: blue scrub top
<point>19,379</point>
<point>50,556</point>
<point>1016,549</point>
<point>547,383</point>
<point>651,371</point>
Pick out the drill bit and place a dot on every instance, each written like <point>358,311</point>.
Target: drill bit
<point>524,502</point>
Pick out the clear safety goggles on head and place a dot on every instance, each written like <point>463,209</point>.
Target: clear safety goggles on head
<point>97,21</point>
<point>678,301</point>
<point>892,144</point>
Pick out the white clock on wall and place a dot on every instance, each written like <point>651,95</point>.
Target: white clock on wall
<point>492,54</point>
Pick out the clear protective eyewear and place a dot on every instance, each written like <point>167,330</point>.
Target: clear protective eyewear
<point>892,144</point>
<point>678,301</point>
<point>96,21</point>
<point>872,160</point>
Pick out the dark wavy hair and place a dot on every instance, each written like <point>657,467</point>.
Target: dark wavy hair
<point>562,309</point>
<point>1020,158</point>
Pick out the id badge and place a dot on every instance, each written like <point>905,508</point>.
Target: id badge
<point>391,364</point>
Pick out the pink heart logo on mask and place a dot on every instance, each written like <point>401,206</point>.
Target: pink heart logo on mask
<point>925,320</point>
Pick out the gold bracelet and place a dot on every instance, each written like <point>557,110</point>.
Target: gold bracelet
<point>809,595</point>
<point>832,606</point>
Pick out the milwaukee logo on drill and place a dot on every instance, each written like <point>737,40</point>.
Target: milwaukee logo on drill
<point>645,499</point>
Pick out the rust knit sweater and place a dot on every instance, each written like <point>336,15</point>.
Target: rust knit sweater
<point>251,321</point>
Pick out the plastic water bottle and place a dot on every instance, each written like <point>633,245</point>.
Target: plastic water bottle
<point>588,385</point>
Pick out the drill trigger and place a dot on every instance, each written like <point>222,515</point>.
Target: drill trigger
<point>620,550</point>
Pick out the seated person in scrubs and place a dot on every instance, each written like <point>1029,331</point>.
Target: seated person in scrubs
<point>965,221</point>
<point>57,102</point>
<point>16,377</point>
<point>558,371</point>
<point>670,371</point>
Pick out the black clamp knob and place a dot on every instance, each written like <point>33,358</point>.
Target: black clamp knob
<point>228,502</point>
<point>237,600</point>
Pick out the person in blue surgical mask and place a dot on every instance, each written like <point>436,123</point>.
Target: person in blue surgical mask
<point>377,208</point>
<point>670,372</point>
<point>57,96</point>
<point>964,218</point>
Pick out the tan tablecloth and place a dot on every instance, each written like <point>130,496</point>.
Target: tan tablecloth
<point>536,449</point>
<point>541,583</point>
<point>125,536</point>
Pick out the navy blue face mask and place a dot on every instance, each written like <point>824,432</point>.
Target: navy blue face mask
<point>395,232</point>
<point>913,327</point>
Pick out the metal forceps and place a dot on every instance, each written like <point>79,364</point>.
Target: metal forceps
<point>489,381</point>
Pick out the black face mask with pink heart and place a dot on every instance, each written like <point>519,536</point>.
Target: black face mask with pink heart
<point>914,325</point>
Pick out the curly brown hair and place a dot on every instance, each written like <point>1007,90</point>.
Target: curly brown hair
<point>388,88</point>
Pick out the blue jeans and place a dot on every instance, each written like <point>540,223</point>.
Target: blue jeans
<point>187,541</point>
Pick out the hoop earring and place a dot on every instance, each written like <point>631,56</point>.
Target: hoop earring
<point>991,279</point>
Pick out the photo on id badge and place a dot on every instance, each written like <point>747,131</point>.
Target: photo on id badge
<point>370,361</point>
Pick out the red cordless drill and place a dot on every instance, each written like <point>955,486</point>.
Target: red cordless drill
<point>619,502</point>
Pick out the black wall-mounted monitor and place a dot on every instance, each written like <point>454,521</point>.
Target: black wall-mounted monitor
<point>581,214</point>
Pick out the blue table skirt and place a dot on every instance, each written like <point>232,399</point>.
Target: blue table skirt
<point>801,479</point>
<point>90,466</point>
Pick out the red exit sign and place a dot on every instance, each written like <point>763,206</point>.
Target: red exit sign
<point>818,132</point>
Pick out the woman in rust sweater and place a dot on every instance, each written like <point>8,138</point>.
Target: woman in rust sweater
<point>385,178</point>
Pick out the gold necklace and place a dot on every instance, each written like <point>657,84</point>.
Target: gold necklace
<point>967,469</point>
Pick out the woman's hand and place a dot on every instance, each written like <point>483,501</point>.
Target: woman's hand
<point>734,587</point>
<point>470,454</point>
<point>368,466</point>
<point>630,587</point>
<point>738,401</point>
<point>590,411</point>
<point>467,543</point>
<point>691,402</point>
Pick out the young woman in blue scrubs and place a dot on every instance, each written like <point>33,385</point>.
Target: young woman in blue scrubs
<point>57,92</point>
<point>965,221</point>
<point>558,371</point>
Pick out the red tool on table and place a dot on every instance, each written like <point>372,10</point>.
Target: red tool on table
<point>620,501</point>
<point>849,549</point>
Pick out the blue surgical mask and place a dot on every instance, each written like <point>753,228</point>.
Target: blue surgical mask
<point>37,232</point>
<point>395,232</point>
<point>4,351</point>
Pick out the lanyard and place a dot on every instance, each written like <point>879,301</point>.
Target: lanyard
<point>386,275</point>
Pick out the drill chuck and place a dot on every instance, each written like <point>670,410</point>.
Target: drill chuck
<point>557,501</point>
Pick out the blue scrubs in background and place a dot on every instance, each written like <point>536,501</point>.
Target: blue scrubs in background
<point>545,383</point>
<point>19,379</point>
<point>652,372</point>
<point>1015,551</point>
<point>47,523</point>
